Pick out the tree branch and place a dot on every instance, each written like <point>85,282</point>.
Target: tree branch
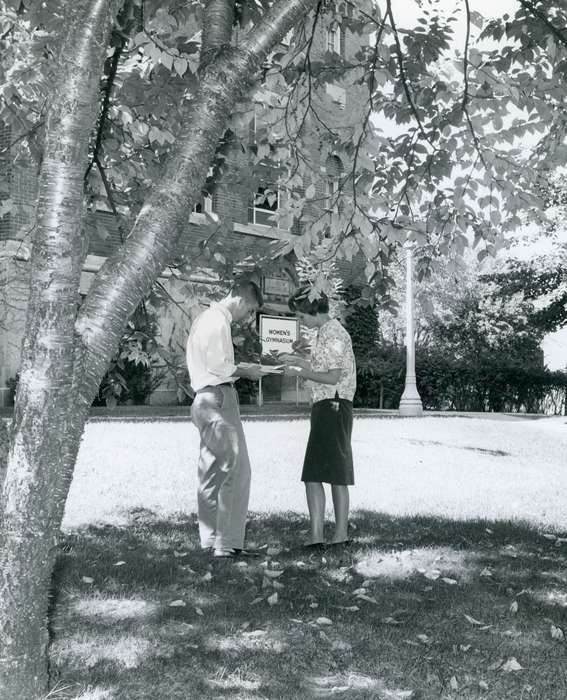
<point>127,276</point>
<point>217,28</point>
<point>527,5</point>
<point>119,39</point>
<point>466,56</point>
<point>403,77</point>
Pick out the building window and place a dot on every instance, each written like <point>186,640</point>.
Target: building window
<point>336,39</point>
<point>204,205</point>
<point>334,170</point>
<point>266,204</point>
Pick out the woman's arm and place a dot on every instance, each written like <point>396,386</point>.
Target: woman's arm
<point>330,376</point>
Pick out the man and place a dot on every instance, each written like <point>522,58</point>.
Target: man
<point>224,467</point>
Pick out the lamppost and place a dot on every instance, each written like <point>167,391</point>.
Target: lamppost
<point>410,403</point>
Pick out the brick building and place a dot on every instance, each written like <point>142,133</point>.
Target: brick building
<point>248,216</point>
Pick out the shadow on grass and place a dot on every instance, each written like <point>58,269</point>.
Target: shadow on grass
<point>414,608</point>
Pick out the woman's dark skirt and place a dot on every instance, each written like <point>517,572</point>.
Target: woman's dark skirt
<point>328,458</point>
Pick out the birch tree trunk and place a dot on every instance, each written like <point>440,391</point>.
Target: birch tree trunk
<point>65,354</point>
<point>45,430</point>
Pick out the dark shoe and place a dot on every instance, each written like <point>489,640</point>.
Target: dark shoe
<point>343,543</point>
<point>246,553</point>
<point>314,546</point>
<point>224,554</point>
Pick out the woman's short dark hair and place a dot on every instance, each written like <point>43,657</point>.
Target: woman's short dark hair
<point>249,290</point>
<point>299,301</point>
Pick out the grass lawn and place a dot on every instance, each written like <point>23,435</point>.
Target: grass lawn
<point>455,585</point>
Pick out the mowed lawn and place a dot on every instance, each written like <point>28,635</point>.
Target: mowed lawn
<point>455,585</point>
<point>450,467</point>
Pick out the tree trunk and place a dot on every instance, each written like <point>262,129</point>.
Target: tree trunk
<point>65,355</point>
<point>48,420</point>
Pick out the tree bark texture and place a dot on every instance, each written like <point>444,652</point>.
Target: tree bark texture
<point>46,426</point>
<point>65,354</point>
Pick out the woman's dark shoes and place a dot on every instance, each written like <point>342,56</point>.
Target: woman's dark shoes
<point>314,546</point>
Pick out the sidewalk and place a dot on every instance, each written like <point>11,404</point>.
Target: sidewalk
<point>271,411</point>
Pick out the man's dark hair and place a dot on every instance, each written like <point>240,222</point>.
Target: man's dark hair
<point>249,290</point>
<point>299,301</point>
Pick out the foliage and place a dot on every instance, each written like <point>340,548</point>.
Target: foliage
<point>247,348</point>
<point>542,281</point>
<point>445,169</point>
<point>132,375</point>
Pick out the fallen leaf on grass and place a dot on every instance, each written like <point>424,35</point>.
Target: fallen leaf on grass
<point>277,585</point>
<point>87,579</point>
<point>207,577</point>
<point>119,563</point>
<point>511,665</point>
<point>255,633</point>
<point>486,573</point>
<point>177,604</point>
<point>256,601</point>
<point>368,599</point>
<point>323,621</point>
<point>273,573</point>
<point>359,591</point>
<point>549,536</point>
<point>475,622</point>
<point>483,685</point>
<point>180,554</point>
<point>454,683</point>
<point>465,647</point>
<point>557,633</point>
<point>432,575</point>
<point>514,607</point>
<point>391,621</point>
<point>199,612</point>
<point>273,599</point>
<point>449,581</point>
<point>423,638</point>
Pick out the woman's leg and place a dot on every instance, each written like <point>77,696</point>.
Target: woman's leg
<point>316,504</point>
<point>341,505</point>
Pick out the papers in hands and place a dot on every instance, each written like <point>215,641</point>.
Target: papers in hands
<point>272,369</point>
<point>264,369</point>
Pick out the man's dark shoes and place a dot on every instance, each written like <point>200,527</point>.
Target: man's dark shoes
<point>233,553</point>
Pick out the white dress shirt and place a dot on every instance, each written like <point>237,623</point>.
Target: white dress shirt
<point>210,353</point>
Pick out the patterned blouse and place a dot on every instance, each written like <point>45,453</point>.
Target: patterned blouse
<point>333,349</point>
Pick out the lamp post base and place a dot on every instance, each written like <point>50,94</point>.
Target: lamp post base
<point>410,407</point>
<point>410,403</point>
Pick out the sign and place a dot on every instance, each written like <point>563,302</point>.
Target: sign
<point>278,333</point>
<point>277,286</point>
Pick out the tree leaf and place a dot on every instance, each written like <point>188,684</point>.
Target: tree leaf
<point>180,65</point>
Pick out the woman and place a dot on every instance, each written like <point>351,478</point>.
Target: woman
<point>332,372</point>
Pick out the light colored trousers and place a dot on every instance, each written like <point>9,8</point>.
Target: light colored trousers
<point>224,468</point>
